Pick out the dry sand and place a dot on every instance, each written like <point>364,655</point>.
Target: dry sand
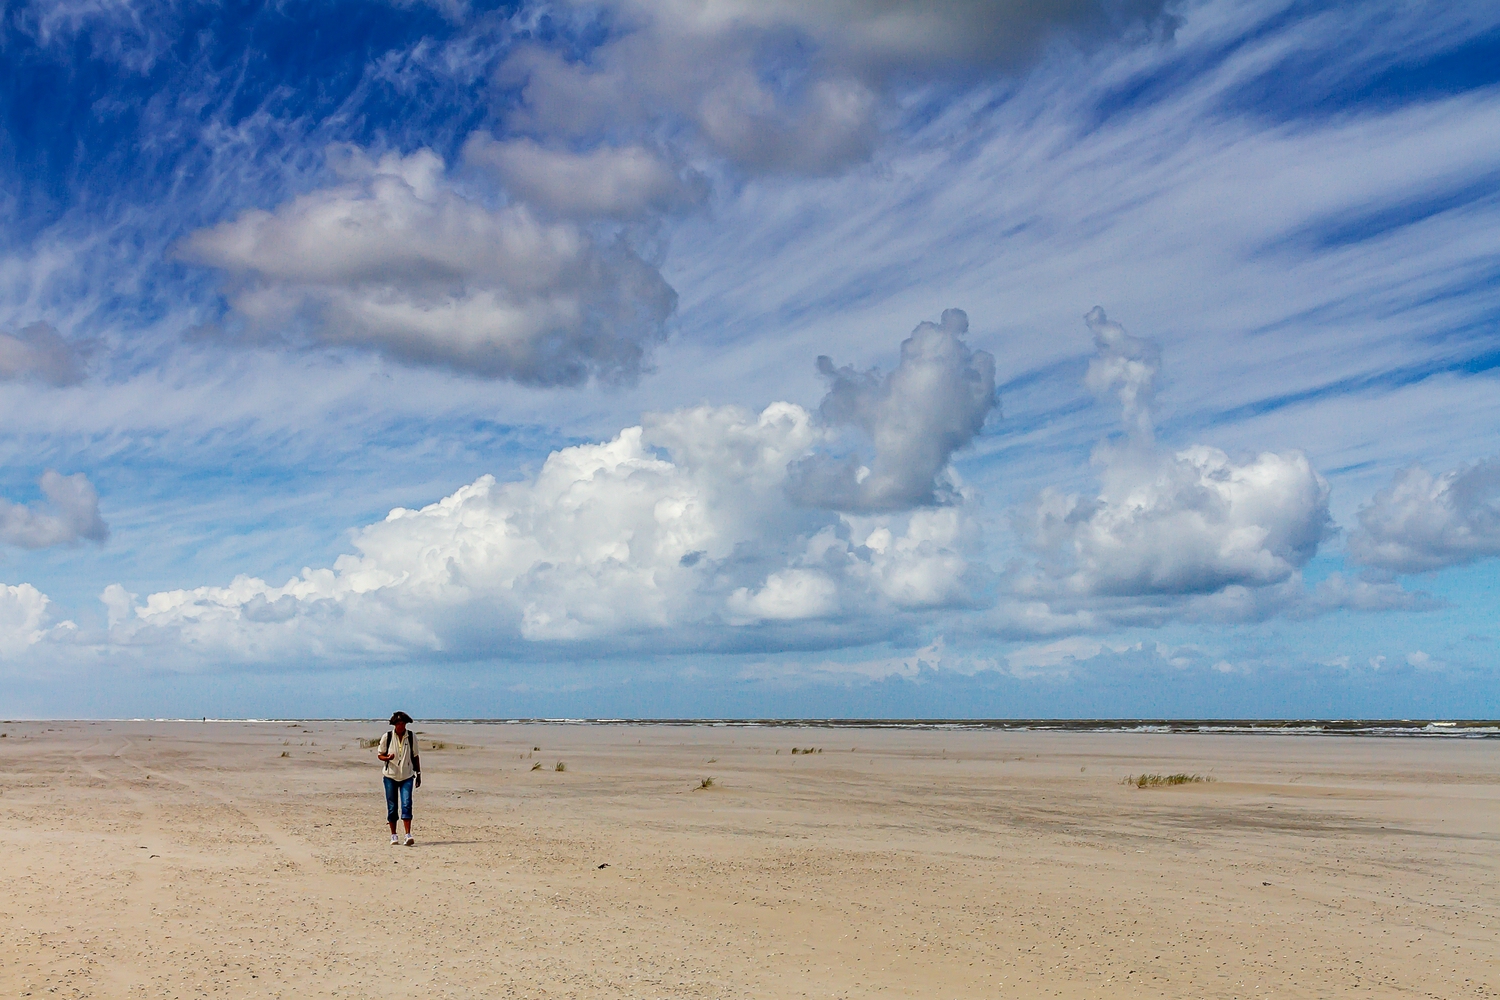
<point>251,860</point>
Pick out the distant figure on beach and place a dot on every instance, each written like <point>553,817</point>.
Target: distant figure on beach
<point>403,770</point>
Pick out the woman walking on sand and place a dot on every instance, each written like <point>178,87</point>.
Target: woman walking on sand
<point>403,770</point>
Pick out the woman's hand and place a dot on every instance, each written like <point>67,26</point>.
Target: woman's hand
<point>385,756</point>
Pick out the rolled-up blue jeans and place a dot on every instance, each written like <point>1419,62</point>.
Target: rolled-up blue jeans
<point>392,786</point>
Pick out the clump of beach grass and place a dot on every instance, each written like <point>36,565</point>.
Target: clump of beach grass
<point>1163,780</point>
<point>706,783</point>
<point>285,754</point>
<point>537,766</point>
<point>807,749</point>
<point>560,766</point>
<point>365,744</point>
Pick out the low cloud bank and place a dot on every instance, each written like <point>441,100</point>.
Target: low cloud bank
<point>683,528</point>
<point>723,529</point>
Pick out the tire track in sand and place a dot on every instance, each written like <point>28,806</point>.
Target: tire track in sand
<point>290,847</point>
<point>122,975</point>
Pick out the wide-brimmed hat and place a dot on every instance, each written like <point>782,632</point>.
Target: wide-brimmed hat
<point>400,717</point>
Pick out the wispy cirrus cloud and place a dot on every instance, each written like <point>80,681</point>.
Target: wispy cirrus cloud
<point>697,530</point>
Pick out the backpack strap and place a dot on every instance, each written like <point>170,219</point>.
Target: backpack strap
<point>388,745</point>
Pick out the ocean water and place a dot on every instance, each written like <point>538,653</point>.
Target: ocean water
<point>1419,728</point>
<point>1470,729</point>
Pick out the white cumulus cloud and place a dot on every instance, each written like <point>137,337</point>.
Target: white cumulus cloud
<point>396,260</point>
<point>629,182</point>
<point>934,402</point>
<point>25,619</point>
<point>41,354</point>
<point>1425,522</point>
<point>1127,367</point>
<point>1191,522</point>
<point>781,86</point>
<point>1191,533</point>
<point>70,515</point>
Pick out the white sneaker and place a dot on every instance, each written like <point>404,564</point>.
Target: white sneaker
<point>394,840</point>
<point>411,841</point>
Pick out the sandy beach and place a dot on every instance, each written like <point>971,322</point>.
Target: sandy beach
<point>163,860</point>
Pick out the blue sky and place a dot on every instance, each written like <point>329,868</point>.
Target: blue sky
<point>553,283</point>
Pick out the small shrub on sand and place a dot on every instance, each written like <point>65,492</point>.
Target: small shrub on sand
<point>285,754</point>
<point>365,744</point>
<point>706,783</point>
<point>560,766</point>
<point>1160,780</point>
<point>537,766</point>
